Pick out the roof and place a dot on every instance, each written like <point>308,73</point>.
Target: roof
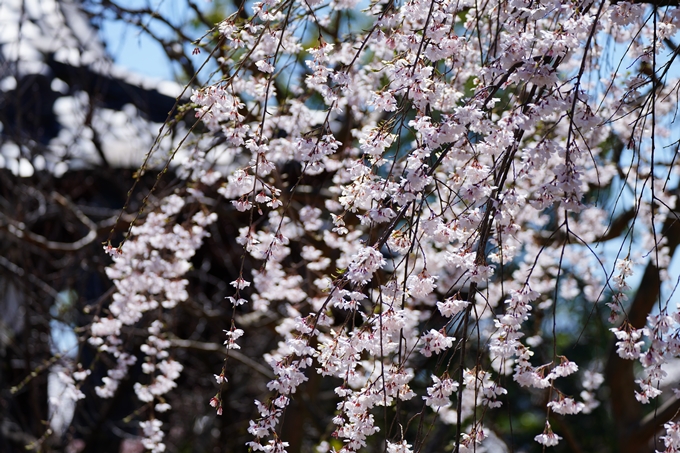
<point>63,102</point>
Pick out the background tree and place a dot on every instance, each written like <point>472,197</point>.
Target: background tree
<point>418,223</point>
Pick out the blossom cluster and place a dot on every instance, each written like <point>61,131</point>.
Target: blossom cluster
<point>423,210</point>
<point>148,278</point>
<point>414,213</point>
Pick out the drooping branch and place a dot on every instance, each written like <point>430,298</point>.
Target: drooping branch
<point>634,432</point>
<point>214,347</point>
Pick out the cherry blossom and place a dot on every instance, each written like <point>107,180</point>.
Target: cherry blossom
<point>548,437</point>
<point>423,197</point>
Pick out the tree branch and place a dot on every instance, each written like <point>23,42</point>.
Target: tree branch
<point>214,347</point>
<point>20,230</point>
<point>634,434</point>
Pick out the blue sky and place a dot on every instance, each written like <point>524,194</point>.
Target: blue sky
<point>135,50</point>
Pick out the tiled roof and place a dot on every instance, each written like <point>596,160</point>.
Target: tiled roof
<point>63,103</point>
